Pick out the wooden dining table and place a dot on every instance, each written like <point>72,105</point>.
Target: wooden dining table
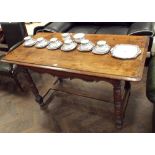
<point>85,65</point>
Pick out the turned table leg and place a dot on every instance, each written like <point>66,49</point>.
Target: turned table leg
<point>127,89</point>
<point>118,104</point>
<point>127,85</point>
<point>33,88</point>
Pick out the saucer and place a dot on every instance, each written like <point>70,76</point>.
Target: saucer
<point>29,43</point>
<point>42,44</point>
<point>68,47</point>
<point>101,49</point>
<point>54,45</point>
<point>85,46</point>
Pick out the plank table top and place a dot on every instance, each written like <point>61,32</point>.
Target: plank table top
<point>85,63</point>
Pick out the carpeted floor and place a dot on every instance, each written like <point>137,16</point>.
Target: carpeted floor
<point>69,113</point>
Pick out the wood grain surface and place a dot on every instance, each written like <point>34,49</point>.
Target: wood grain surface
<point>85,63</point>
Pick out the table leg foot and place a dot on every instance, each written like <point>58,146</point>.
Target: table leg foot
<point>39,99</point>
<point>119,124</point>
<point>60,80</point>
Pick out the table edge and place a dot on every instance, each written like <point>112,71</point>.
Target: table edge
<point>100,75</point>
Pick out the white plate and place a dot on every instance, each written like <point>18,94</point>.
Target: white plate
<point>125,51</point>
<point>101,50</point>
<point>29,43</point>
<point>85,48</point>
<point>42,44</point>
<point>54,46</point>
<point>68,47</point>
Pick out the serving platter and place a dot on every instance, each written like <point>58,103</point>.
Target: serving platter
<point>125,51</point>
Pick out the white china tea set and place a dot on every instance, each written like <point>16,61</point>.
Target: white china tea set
<point>123,51</point>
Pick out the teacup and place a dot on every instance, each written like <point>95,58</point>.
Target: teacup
<point>66,36</point>
<point>85,42</point>
<point>40,39</point>
<point>101,43</point>
<point>54,44</point>
<point>41,43</point>
<point>27,38</point>
<point>54,40</point>
<point>28,41</point>
<point>101,48</point>
<point>86,45</point>
<point>68,42</point>
<point>79,37</point>
<point>68,45</point>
